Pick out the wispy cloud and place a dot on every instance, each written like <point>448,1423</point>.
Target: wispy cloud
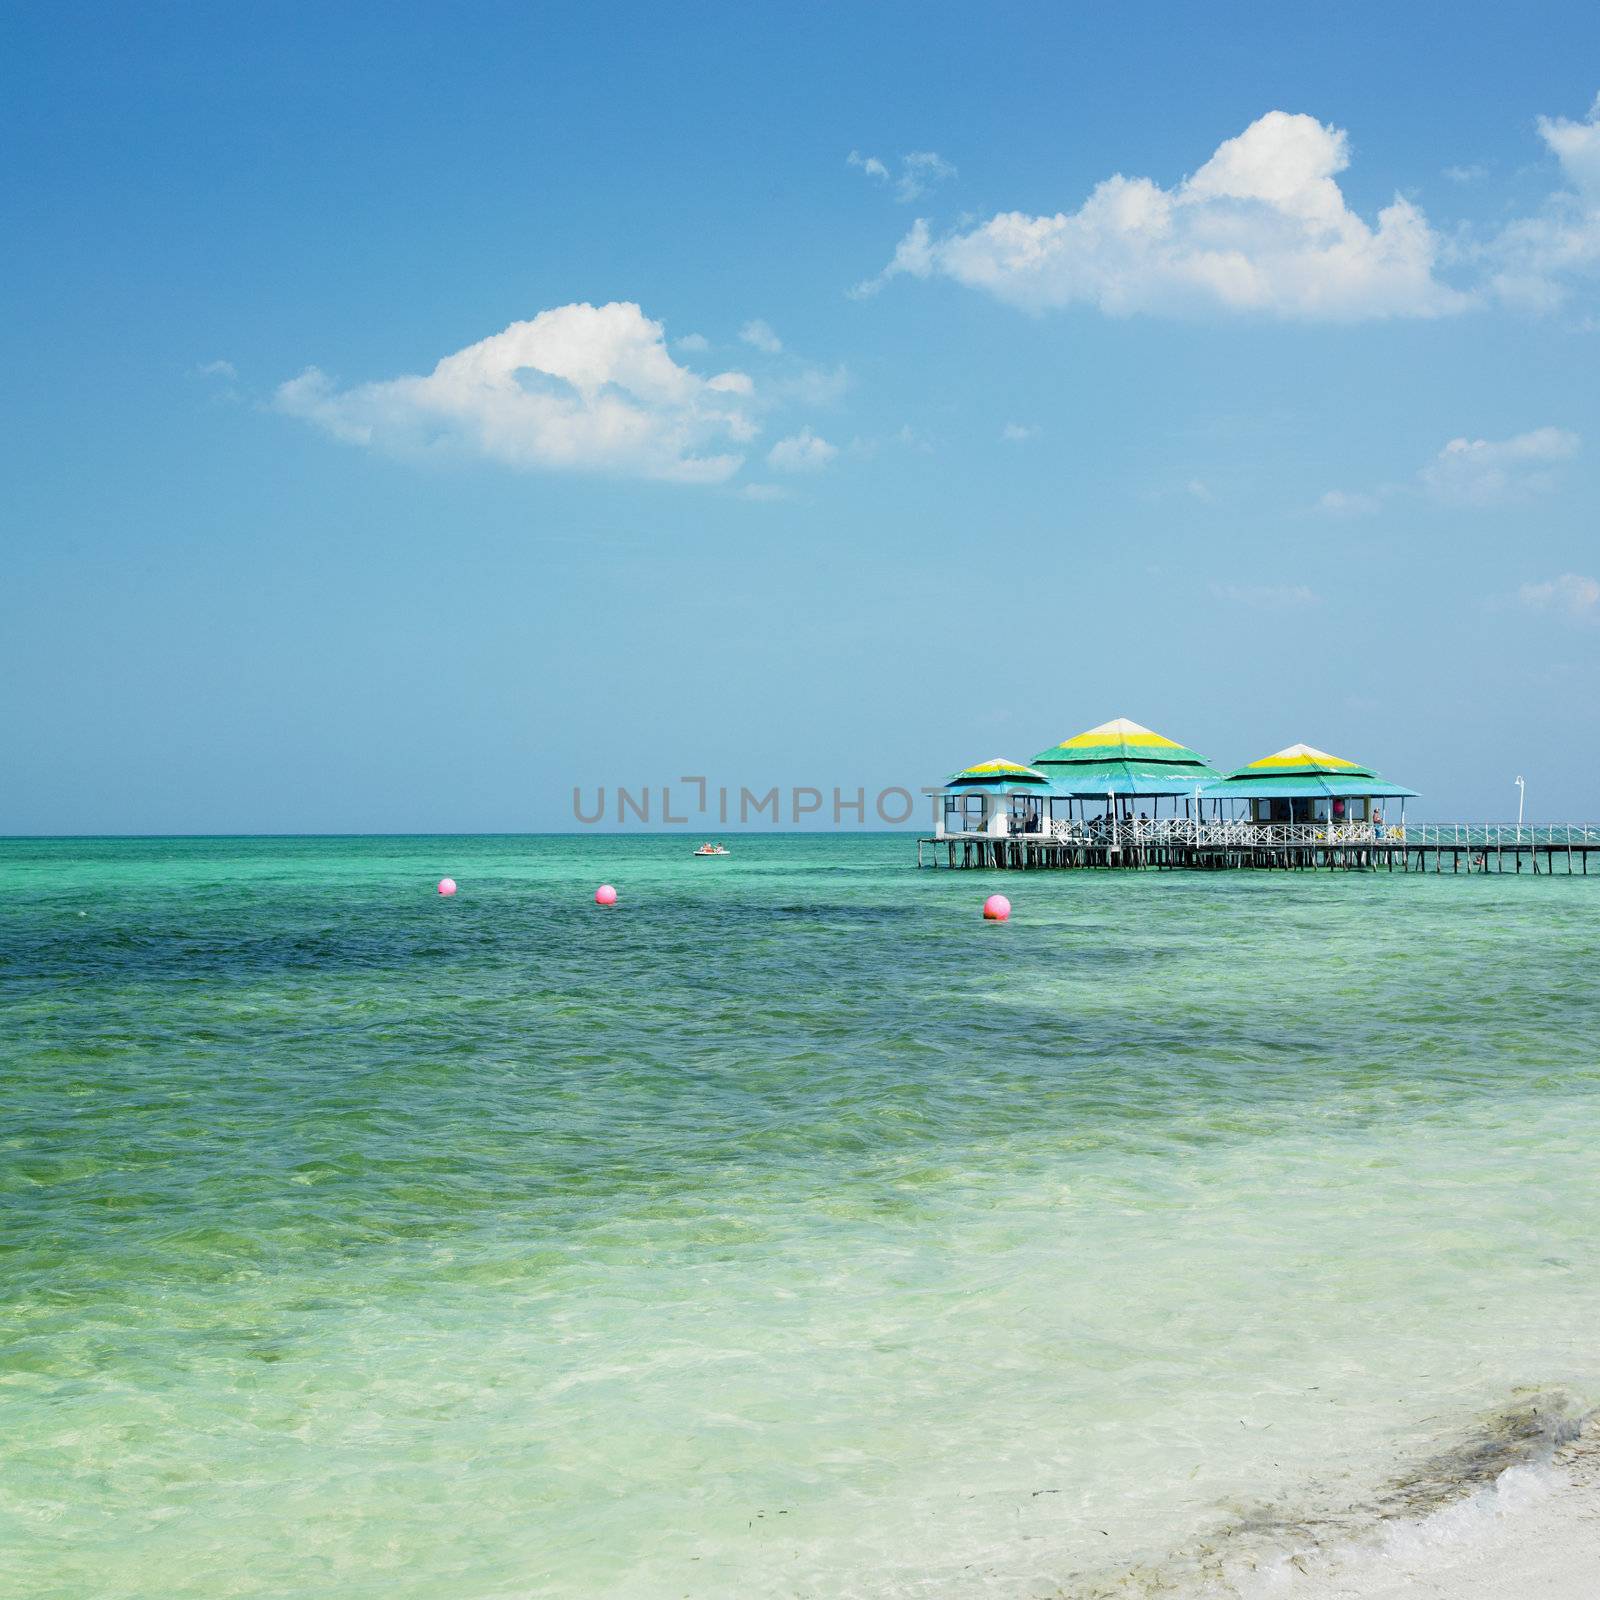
<point>1266,596</point>
<point>693,343</point>
<point>1469,174</point>
<point>920,172</point>
<point>579,387</point>
<point>759,336</point>
<point>1488,472</point>
<point>870,165</point>
<point>810,385</point>
<point>801,452</point>
<point>216,369</point>
<point>1019,432</point>
<point>1349,503</point>
<point>1535,259</point>
<point>1474,474</point>
<point>1262,227</point>
<point>1572,593</point>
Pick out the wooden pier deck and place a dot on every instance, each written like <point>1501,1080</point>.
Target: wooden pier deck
<point>1183,845</point>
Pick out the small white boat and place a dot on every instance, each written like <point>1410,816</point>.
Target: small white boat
<point>713,850</point>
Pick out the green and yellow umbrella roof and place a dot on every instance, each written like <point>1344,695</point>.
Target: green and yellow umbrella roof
<point>1301,769</point>
<point>1123,757</point>
<point>1295,759</point>
<point>999,775</point>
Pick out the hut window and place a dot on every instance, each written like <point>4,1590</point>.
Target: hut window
<point>1356,810</point>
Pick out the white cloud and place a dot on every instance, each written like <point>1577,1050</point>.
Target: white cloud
<point>913,256</point>
<point>1199,489</point>
<point>1348,503</point>
<point>1261,227</point>
<point>580,387</point>
<point>870,165</point>
<point>695,343</point>
<point>920,171</point>
<point>764,492</point>
<point>1266,596</point>
<point>1532,258</point>
<point>759,336</point>
<point>216,369</point>
<point>1572,593</point>
<point>1577,147</point>
<point>1486,472</point>
<point>1019,432</point>
<point>1469,174</point>
<point>801,452</point>
<point>811,386</point>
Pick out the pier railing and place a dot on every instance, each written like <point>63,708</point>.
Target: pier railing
<point>1232,831</point>
<point>1099,833</point>
<point>1498,836</point>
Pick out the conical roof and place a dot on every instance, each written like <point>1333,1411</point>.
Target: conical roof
<point>1303,770</point>
<point>998,770</point>
<point>1123,757</point>
<point>1295,759</point>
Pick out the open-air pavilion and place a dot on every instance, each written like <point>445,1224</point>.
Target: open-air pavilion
<point>1096,800</point>
<point>1304,785</point>
<point>997,797</point>
<point>1122,769</point>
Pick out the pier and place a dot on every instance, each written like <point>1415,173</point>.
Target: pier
<point>1296,810</point>
<point>1183,843</point>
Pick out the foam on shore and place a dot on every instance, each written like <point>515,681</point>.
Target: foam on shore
<point>1512,1511</point>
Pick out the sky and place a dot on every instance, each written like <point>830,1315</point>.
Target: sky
<point>415,414</point>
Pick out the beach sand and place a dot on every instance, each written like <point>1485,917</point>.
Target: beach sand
<point>1534,1532</point>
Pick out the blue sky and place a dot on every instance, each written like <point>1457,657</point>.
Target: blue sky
<point>1233,374</point>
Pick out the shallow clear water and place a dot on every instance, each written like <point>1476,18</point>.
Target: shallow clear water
<point>786,1231</point>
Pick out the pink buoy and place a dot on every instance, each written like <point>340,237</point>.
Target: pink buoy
<point>447,886</point>
<point>605,895</point>
<point>996,908</point>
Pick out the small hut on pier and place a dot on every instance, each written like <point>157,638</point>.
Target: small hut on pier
<point>996,797</point>
<point>1301,784</point>
<point>1121,768</point>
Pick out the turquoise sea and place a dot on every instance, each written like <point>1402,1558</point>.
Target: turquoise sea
<point>785,1231</point>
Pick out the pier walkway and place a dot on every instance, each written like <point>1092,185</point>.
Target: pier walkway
<point>1183,843</point>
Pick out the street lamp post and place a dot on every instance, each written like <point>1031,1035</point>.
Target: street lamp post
<point>1522,794</point>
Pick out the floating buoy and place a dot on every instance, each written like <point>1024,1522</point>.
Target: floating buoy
<point>447,886</point>
<point>996,908</point>
<point>605,895</point>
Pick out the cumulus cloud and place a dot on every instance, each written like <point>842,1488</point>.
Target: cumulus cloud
<point>920,171</point>
<point>1532,258</point>
<point>1261,227</point>
<point>580,387</point>
<point>695,343</point>
<point>1572,593</point>
<point>801,452</point>
<point>1487,472</point>
<point>759,336</point>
